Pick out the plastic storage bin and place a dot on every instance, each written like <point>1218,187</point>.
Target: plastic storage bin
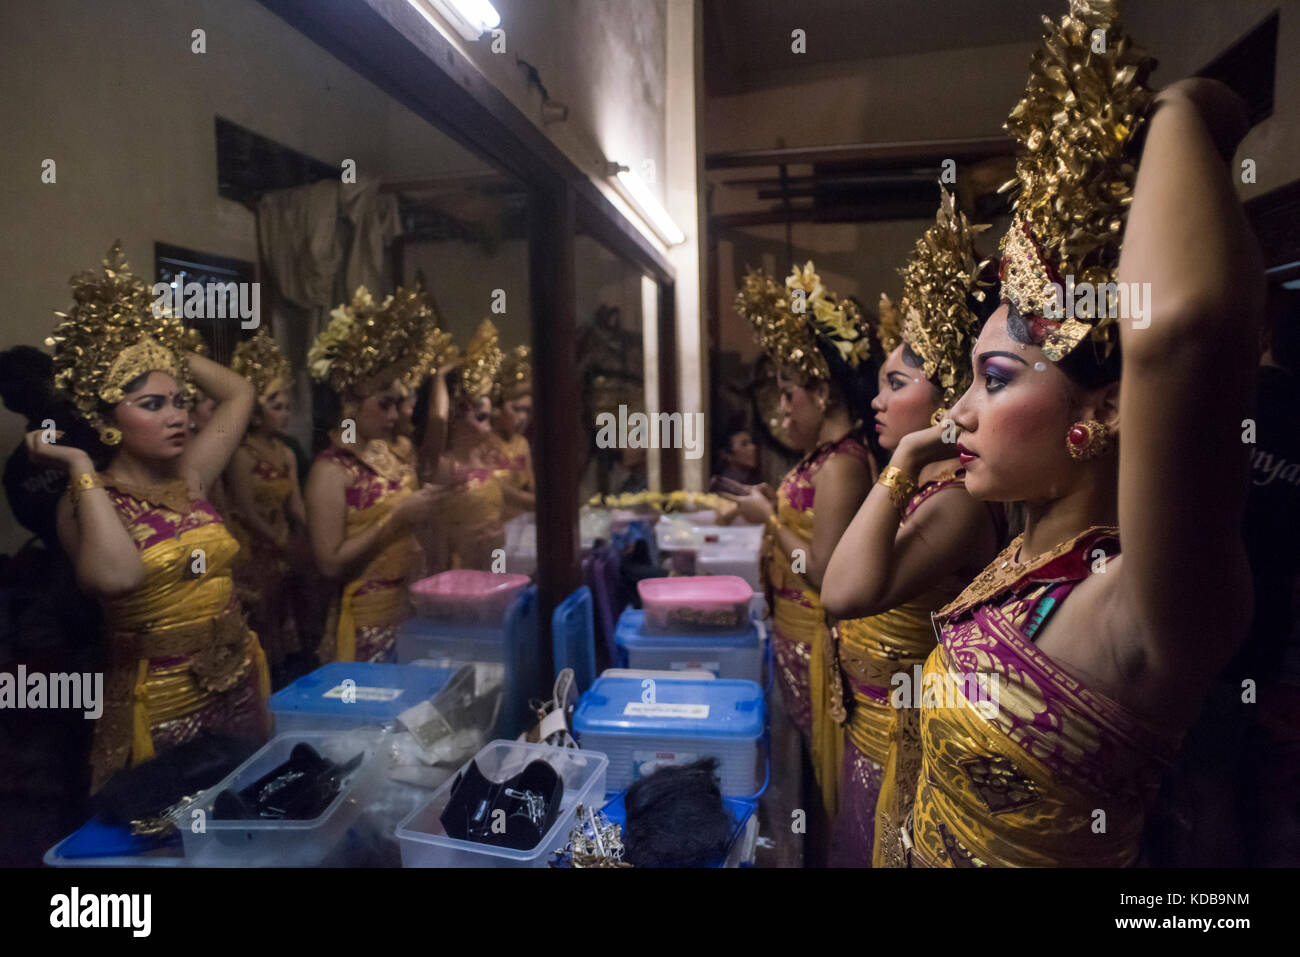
<point>682,721</point>
<point>738,654</point>
<point>690,674</point>
<point>96,844</point>
<point>738,561</point>
<point>466,595</point>
<point>425,844</point>
<point>718,602</point>
<point>268,843</point>
<point>511,646</point>
<point>321,701</point>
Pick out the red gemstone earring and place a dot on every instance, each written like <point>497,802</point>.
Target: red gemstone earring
<point>1088,440</point>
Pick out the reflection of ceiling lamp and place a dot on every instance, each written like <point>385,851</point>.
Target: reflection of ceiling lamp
<point>638,194</point>
<point>471,18</point>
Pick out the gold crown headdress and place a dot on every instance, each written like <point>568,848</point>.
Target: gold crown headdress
<point>113,334</point>
<point>790,337</point>
<point>515,378</point>
<point>260,361</point>
<point>940,275</point>
<point>480,361</point>
<point>1076,126</point>
<point>367,346</point>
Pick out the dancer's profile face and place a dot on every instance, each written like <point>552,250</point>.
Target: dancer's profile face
<point>378,413</point>
<point>1014,419</point>
<point>801,414</point>
<point>154,417</point>
<point>275,412</point>
<point>904,401</point>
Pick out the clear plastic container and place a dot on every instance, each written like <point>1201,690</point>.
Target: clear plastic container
<point>209,842</point>
<point>676,605</point>
<point>737,654</point>
<point>425,844</point>
<point>467,595</point>
<point>737,561</point>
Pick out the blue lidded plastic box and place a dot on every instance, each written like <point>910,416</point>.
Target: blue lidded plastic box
<point>737,654</point>
<point>322,701</point>
<point>642,726</point>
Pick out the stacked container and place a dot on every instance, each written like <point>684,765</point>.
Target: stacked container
<point>641,727</point>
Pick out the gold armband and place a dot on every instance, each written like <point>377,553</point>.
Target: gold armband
<point>79,484</point>
<point>901,486</point>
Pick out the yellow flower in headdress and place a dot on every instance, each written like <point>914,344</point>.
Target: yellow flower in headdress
<point>366,346</point>
<point>115,332</point>
<point>788,326</point>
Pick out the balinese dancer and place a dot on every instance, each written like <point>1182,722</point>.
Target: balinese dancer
<point>1067,672</point>
<point>266,510</point>
<point>913,544</point>
<point>141,534</point>
<point>363,496</point>
<point>508,450</point>
<point>818,344</point>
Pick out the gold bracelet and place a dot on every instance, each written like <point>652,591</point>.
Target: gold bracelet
<point>80,484</point>
<point>901,486</point>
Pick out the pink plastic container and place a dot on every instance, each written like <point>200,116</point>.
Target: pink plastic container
<point>708,602</point>
<point>466,595</point>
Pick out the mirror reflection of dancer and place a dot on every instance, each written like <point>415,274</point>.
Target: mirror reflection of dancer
<point>363,495</point>
<point>141,535</point>
<point>508,449</point>
<point>266,511</point>
<point>469,525</point>
<point>915,542</point>
<point>817,352</point>
<point>1101,658</point>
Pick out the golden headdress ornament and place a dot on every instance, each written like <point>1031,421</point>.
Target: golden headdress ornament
<point>260,361</point>
<point>515,378</point>
<point>481,361</point>
<point>116,331</point>
<point>889,333</point>
<point>938,279</point>
<point>366,346</point>
<point>788,321</point>
<point>1076,126</point>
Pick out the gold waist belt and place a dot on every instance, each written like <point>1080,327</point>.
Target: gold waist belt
<point>216,649</point>
<point>871,727</point>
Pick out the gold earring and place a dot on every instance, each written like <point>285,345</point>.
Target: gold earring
<point>110,435</point>
<point>1088,440</point>
<point>939,415</point>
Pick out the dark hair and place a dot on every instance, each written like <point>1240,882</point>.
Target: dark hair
<point>1086,365</point>
<point>26,380</point>
<point>854,387</point>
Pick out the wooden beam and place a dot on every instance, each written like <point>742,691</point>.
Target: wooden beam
<point>558,455</point>
<point>907,151</point>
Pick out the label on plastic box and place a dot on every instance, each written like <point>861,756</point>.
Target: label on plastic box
<point>360,693</point>
<point>642,709</point>
<point>648,762</point>
<point>714,666</point>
